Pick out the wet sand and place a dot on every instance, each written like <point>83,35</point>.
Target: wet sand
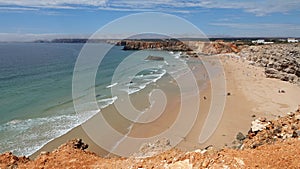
<point>251,93</point>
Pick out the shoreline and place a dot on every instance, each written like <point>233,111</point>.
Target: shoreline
<point>121,125</point>
<point>240,109</point>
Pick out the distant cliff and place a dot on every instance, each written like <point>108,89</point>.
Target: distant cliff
<point>169,45</point>
<point>191,47</point>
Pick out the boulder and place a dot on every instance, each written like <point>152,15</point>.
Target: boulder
<point>258,125</point>
<point>240,136</point>
<point>271,71</point>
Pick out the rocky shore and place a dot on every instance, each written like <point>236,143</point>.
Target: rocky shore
<point>281,61</point>
<point>269,144</point>
<point>264,131</point>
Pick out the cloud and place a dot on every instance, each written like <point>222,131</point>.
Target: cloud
<point>258,25</point>
<point>257,7</point>
<point>52,3</point>
<point>17,9</point>
<point>28,37</point>
<point>262,29</point>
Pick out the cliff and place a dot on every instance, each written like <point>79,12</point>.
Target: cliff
<point>168,45</point>
<point>191,48</point>
<point>219,47</point>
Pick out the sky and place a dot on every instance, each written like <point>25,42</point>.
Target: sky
<point>41,19</point>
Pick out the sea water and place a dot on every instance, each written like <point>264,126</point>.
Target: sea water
<point>36,104</point>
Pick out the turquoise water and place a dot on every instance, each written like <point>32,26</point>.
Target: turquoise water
<point>36,90</point>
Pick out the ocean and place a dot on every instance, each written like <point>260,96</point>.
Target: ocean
<point>36,103</point>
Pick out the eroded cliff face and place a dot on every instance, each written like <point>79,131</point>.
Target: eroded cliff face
<point>220,47</point>
<point>269,144</point>
<point>168,45</point>
<point>184,46</point>
<point>281,61</point>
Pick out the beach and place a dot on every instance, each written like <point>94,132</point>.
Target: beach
<point>251,95</point>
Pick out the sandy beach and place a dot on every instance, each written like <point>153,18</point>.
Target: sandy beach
<point>251,95</point>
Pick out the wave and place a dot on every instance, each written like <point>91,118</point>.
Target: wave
<point>112,85</point>
<point>26,136</point>
<point>144,81</point>
<point>177,55</point>
<point>106,102</point>
<point>33,134</point>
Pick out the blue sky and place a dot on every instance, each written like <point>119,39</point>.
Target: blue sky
<point>38,19</point>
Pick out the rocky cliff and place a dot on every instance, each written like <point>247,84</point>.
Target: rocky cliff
<point>168,45</point>
<point>191,47</point>
<point>281,61</point>
<point>219,47</point>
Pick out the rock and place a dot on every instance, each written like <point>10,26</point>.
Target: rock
<point>205,162</point>
<point>157,58</point>
<point>295,134</point>
<point>219,47</point>
<point>262,119</point>
<point>44,153</point>
<point>258,125</point>
<point>266,132</point>
<point>240,136</point>
<point>185,164</point>
<point>292,78</point>
<point>184,56</point>
<point>240,162</point>
<point>281,61</point>
<point>291,114</point>
<point>297,117</point>
<point>169,45</point>
<point>78,144</point>
<point>271,71</point>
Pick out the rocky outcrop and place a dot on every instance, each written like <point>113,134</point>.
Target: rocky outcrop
<point>168,45</point>
<point>8,160</point>
<point>281,61</point>
<point>78,144</point>
<point>265,131</point>
<point>157,58</point>
<point>219,47</point>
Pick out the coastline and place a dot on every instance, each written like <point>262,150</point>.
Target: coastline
<point>251,95</point>
<point>140,101</point>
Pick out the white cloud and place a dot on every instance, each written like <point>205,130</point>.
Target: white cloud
<point>53,3</point>
<point>261,29</point>
<point>28,37</point>
<point>258,25</point>
<point>257,7</point>
<point>17,9</point>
